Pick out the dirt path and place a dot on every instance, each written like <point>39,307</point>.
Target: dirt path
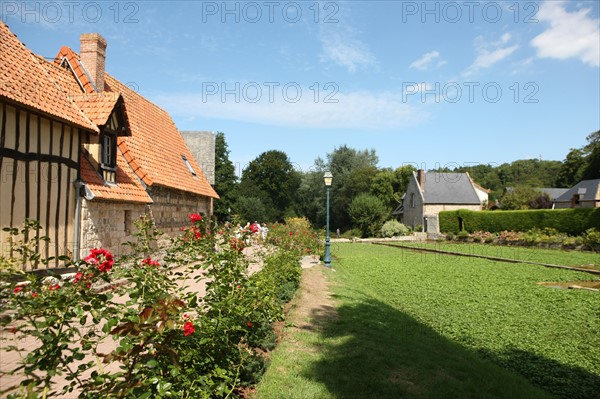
<point>314,303</point>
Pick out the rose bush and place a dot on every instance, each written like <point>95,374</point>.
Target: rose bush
<point>168,341</point>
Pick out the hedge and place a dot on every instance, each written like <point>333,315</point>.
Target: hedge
<point>572,221</point>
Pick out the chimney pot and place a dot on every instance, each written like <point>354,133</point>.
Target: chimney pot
<point>92,53</point>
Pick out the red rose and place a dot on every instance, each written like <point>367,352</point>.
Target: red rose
<point>54,287</point>
<point>102,258</point>
<point>188,328</point>
<point>194,217</point>
<point>77,277</point>
<point>34,294</point>
<point>291,233</point>
<point>17,289</point>
<point>150,262</point>
<point>249,324</point>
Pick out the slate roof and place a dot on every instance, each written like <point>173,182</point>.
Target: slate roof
<point>25,79</point>
<point>588,190</point>
<point>448,188</point>
<point>553,193</point>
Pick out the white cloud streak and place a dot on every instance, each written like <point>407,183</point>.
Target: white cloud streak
<point>570,35</point>
<point>427,61</point>
<point>355,110</point>
<point>489,53</point>
<point>346,51</point>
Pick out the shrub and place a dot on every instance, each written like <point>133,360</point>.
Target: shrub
<point>591,239</point>
<point>393,228</point>
<point>367,212</point>
<point>295,235</point>
<point>166,338</point>
<point>352,233</point>
<point>569,221</point>
<point>462,236</point>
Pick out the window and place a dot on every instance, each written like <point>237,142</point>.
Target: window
<point>108,150</point>
<point>412,200</point>
<point>108,163</point>
<point>189,166</point>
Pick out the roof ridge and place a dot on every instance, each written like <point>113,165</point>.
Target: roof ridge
<point>137,169</point>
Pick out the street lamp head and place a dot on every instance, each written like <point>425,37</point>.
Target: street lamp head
<point>328,178</point>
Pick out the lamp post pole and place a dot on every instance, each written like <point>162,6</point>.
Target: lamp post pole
<point>328,177</point>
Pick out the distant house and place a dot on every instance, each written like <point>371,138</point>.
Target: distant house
<point>585,194</point>
<point>429,193</point>
<point>85,154</point>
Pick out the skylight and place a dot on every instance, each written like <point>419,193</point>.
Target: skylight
<point>189,166</point>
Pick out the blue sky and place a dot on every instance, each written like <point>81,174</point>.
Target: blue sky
<point>428,83</point>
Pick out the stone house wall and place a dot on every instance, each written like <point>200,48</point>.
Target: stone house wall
<point>413,215</point>
<point>108,225</point>
<point>171,208</point>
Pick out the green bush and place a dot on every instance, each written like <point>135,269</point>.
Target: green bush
<point>591,239</point>
<point>205,346</point>
<point>393,228</point>
<point>368,213</point>
<point>567,221</point>
<point>352,233</point>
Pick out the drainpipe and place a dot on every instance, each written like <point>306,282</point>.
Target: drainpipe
<point>79,185</point>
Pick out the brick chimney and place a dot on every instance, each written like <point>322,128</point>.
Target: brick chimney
<point>92,53</point>
<point>421,178</point>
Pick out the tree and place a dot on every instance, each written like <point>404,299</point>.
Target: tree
<point>352,173</point>
<point>572,168</point>
<point>592,153</point>
<point>524,197</point>
<point>368,213</point>
<point>253,208</point>
<point>271,178</point>
<point>310,198</point>
<point>225,179</point>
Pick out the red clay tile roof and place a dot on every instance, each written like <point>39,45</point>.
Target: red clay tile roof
<point>24,79</point>
<point>128,189</point>
<point>156,144</point>
<point>65,54</point>
<point>97,106</point>
<point>62,89</point>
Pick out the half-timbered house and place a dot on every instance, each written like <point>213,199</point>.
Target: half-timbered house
<point>86,155</point>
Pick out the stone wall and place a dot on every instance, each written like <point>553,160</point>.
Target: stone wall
<point>171,208</point>
<point>413,215</point>
<point>202,147</point>
<point>108,225</point>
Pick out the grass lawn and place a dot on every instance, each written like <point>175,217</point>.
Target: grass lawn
<point>415,325</point>
<point>531,254</point>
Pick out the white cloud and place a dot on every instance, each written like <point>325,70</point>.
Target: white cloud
<point>346,51</point>
<point>341,43</point>
<point>354,110</point>
<point>570,35</point>
<point>490,53</point>
<point>427,61</point>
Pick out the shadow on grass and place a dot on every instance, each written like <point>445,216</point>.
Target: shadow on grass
<point>371,350</point>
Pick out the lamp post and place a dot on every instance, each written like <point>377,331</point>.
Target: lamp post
<point>328,179</point>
